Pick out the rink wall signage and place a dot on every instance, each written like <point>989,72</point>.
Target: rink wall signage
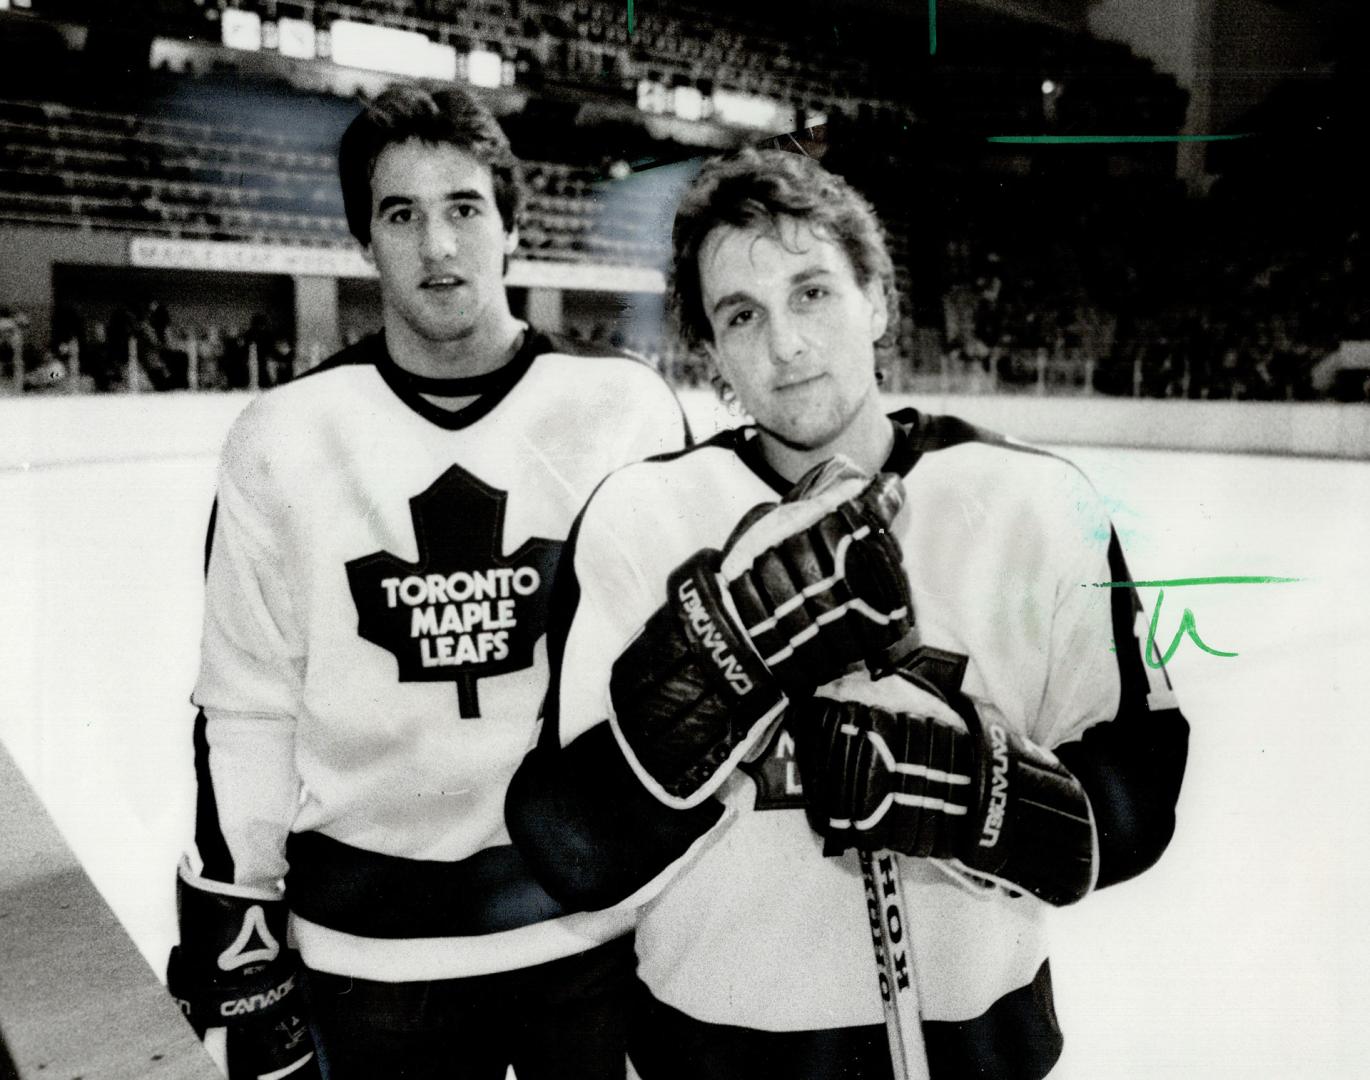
<point>217,256</point>
<point>244,258</point>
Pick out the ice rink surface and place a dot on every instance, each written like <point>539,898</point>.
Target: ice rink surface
<point>1244,953</point>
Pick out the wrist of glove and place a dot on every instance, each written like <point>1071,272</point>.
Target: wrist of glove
<point>232,971</point>
<point>897,767</point>
<point>802,591</point>
<point>691,697</point>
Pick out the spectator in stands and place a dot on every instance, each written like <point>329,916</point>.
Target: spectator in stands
<point>209,356</point>
<point>164,368</point>
<point>14,347</point>
<point>50,374</point>
<point>233,361</point>
<point>278,362</point>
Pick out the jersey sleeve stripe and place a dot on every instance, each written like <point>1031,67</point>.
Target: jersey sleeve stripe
<point>1131,766</point>
<point>210,842</point>
<point>1017,1036</point>
<point>560,614</point>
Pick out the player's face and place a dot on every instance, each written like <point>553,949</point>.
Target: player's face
<point>437,241</point>
<point>794,333</point>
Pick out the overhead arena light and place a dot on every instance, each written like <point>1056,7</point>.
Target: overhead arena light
<point>752,111</point>
<point>484,68</point>
<point>385,48</point>
<point>687,103</point>
<point>298,39</point>
<point>241,29</point>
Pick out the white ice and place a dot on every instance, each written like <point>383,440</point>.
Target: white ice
<point>1242,954</point>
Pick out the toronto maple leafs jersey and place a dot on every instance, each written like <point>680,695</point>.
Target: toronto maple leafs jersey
<point>1008,552</point>
<point>374,654</point>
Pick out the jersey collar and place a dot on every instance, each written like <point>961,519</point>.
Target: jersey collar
<point>903,455</point>
<point>489,388</point>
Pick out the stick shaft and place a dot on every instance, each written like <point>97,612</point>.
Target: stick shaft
<point>893,963</point>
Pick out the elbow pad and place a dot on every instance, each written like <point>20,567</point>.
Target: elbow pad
<point>591,834</point>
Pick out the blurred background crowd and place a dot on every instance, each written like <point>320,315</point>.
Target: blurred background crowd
<point>170,218</point>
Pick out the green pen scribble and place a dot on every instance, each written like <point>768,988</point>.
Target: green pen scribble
<point>1187,626</point>
<point>1090,139</point>
<point>632,22</point>
<point>932,27</point>
<point>1168,583</point>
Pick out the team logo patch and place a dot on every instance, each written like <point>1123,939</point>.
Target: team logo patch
<point>253,945</point>
<point>776,773</point>
<point>464,610</point>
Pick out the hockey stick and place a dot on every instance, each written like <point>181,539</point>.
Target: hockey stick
<point>893,963</point>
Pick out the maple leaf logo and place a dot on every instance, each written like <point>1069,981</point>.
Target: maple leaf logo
<point>464,610</point>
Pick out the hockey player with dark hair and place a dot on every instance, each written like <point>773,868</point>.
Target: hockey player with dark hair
<point>828,631</point>
<point>385,537</point>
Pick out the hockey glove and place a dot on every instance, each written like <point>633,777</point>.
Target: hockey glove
<point>232,974</point>
<point>803,591</point>
<point>892,765</point>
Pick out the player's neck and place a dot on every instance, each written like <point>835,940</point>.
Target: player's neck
<point>489,346</point>
<point>867,442</point>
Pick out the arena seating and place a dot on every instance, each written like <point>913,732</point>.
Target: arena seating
<point>1082,272</point>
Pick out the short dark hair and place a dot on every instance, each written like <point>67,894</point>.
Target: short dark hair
<point>754,189</point>
<point>447,115</point>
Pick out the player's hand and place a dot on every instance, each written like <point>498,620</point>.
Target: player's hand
<point>890,764</point>
<point>818,582</point>
<point>804,590</point>
<point>884,764</point>
<point>237,984</point>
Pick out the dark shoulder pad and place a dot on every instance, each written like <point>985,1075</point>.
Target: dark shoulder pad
<point>368,350</point>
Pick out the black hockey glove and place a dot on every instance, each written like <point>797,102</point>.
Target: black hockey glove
<point>803,591</point>
<point>233,972</point>
<point>892,765</point>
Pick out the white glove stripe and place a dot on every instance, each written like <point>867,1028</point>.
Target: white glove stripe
<point>836,613</point>
<point>839,572</point>
<point>922,802</point>
<point>932,774</point>
<point>905,768</point>
<point>288,1069</point>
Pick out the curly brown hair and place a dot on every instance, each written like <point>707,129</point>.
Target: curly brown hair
<point>754,189</point>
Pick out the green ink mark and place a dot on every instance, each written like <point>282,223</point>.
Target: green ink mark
<point>932,27</point>
<point>1167,583</point>
<point>1187,626</point>
<point>1090,139</point>
<point>632,22</point>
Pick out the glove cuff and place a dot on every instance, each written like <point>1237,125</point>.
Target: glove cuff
<point>691,697</point>
<point>1035,829</point>
<point>262,994</point>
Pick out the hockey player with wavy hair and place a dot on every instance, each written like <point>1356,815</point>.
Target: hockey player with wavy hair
<point>831,631</point>
<point>386,533</point>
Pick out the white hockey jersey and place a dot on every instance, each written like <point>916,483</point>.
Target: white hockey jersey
<point>757,928</point>
<point>374,656</point>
